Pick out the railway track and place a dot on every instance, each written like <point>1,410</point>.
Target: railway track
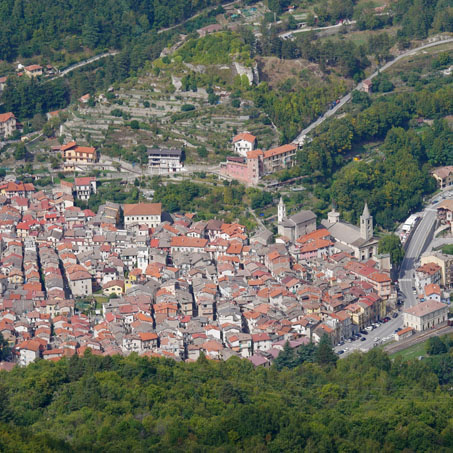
<point>418,338</point>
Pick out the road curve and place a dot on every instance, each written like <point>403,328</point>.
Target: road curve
<point>300,138</point>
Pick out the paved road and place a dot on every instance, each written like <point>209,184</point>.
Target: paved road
<point>163,30</point>
<point>289,34</point>
<point>300,138</point>
<point>415,248</point>
<point>80,64</point>
<point>418,244</point>
<point>379,335</point>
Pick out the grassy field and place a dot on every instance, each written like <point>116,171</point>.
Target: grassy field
<point>411,353</point>
<point>422,61</point>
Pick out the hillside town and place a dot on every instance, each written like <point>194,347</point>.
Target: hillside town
<point>131,279</point>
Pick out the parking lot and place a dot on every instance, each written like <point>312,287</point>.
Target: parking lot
<point>382,334</point>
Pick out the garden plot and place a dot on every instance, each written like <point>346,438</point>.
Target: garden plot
<point>153,113</point>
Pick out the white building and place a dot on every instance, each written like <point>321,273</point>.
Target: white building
<point>84,187</point>
<point>164,161</point>
<point>425,315</point>
<point>7,124</point>
<point>243,143</point>
<point>148,214</point>
<point>29,351</point>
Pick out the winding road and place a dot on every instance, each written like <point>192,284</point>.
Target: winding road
<point>299,140</point>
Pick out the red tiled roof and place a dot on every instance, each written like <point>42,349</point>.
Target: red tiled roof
<point>185,241</point>
<point>279,150</point>
<point>85,181</point>
<point>142,209</point>
<point>4,117</point>
<point>244,136</point>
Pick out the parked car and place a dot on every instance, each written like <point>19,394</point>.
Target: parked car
<point>395,315</point>
<point>363,339</point>
<point>340,352</point>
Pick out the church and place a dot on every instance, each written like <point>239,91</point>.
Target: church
<point>359,242</point>
<point>297,225</point>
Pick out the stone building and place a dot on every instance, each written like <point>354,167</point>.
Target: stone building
<point>425,315</point>
<point>297,225</point>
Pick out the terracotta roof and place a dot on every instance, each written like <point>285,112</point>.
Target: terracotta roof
<point>244,136</point>
<point>86,181</point>
<point>425,308</point>
<point>147,336</point>
<point>142,209</point>
<point>33,67</point>
<point>279,150</point>
<point>432,288</point>
<point>4,117</point>
<point>406,330</point>
<point>254,154</point>
<point>68,146</point>
<point>185,241</point>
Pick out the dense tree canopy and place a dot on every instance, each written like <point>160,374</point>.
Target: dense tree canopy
<point>391,244</point>
<point>39,27</point>
<point>93,404</point>
<point>395,179</point>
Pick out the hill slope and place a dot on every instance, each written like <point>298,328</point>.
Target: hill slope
<point>366,403</point>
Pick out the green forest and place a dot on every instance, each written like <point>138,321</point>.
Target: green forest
<point>365,402</point>
<point>396,177</point>
<point>41,27</point>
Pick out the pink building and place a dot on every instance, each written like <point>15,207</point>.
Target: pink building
<point>258,163</point>
<point>236,168</point>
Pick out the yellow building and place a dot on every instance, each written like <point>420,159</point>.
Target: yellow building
<point>74,154</point>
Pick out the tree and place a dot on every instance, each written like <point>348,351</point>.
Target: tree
<point>135,124</point>
<point>213,98</point>
<point>286,358</point>
<point>391,244</point>
<point>325,355</point>
<point>20,152</point>
<point>5,350</point>
<point>306,353</point>
<point>435,346</point>
<point>38,121</point>
<point>202,152</point>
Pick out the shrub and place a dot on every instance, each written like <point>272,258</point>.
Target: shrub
<point>187,107</point>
